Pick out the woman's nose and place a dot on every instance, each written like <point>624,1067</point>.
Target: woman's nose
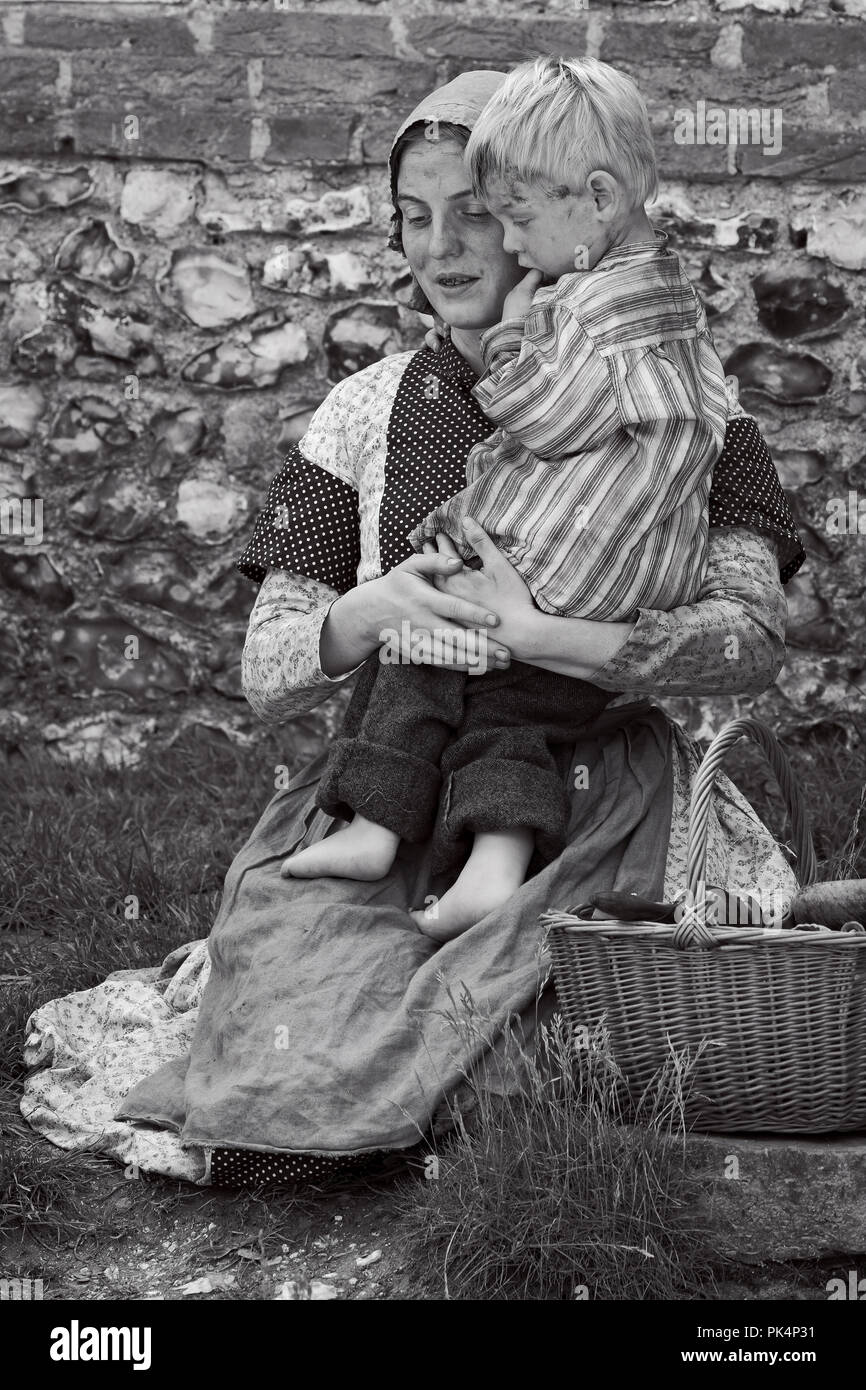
<point>443,238</point>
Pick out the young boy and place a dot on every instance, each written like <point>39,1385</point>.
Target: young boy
<point>611,407</point>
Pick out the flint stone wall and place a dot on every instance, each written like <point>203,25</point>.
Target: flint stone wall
<point>193,218</point>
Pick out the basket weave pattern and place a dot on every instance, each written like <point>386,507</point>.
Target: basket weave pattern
<point>774,1020</point>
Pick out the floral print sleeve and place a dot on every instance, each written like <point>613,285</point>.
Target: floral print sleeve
<point>282,677</point>
<point>730,641</point>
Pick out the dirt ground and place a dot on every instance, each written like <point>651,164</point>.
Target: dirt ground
<point>154,1240</point>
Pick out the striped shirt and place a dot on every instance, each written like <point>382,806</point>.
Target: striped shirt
<point>611,406</point>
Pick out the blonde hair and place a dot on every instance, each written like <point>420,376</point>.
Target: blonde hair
<point>557,119</point>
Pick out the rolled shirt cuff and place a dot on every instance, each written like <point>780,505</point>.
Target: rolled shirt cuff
<point>316,621</point>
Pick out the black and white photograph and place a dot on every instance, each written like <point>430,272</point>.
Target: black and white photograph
<point>357,354</point>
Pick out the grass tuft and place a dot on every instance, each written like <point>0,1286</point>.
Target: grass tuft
<point>551,1188</point>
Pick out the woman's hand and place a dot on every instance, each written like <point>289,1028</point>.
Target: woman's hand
<point>406,611</point>
<point>573,646</point>
<point>496,586</point>
<point>444,628</point>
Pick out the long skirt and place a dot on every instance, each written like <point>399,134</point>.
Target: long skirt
<point>318,1021</point>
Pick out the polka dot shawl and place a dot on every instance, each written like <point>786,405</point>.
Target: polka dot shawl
<point>746,491</point>
<point>434,423</point>
<point>310,523</point>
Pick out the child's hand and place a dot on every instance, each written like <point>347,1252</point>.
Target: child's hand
<point>732,392</point>
<point>518,301</point>
<point>437,335</point>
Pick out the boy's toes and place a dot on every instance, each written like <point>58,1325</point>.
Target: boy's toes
<point>425,924</point>
<point>304,864</point>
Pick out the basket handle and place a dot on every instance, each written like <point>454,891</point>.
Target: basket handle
<point>692,929</point>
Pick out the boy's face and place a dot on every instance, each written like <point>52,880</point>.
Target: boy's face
<point>543,226</point>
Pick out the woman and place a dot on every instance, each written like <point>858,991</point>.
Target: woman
<point>321,1036</point>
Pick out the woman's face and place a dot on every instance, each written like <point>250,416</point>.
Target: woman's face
<point>452,243</point>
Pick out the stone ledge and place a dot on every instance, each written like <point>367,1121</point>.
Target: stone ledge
<point>793,1197</point>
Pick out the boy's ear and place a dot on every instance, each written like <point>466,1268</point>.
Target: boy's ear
<point>606,193</point>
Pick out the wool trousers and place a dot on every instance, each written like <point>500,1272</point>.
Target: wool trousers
<point>425,751</point>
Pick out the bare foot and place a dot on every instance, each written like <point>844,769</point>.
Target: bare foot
<point>363,850</point>
<point>495,870</point>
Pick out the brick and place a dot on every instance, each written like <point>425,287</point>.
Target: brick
<point>327,80</point>
<point>105,78</point>
<point>167,131</point>
<point>785,43</point>
<point>705,163</point>
<point>664,91</point>
<point>827,155</point>
<point>339,36</point>
<point>27,131</point>
<point>496,41</point>
<point>324,137</point>
<point>66,28</point>
<point>660,40</point>
<point>377,133</point>
<point>22,78</point>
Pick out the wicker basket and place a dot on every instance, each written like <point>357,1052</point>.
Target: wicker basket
<point>774,1020</point>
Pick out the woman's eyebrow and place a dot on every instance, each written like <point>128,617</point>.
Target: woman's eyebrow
<point>452,197</point>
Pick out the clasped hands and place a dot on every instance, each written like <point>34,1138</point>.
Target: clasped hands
<point>496,587</point>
